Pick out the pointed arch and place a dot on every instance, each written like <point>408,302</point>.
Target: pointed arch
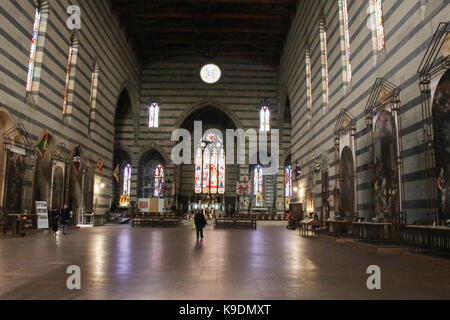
<point>208,103</point>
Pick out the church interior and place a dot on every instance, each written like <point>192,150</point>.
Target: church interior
<point>312,135</point>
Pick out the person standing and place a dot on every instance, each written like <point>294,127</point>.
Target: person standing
<point>65,218</point>
<point>54,218</point>
<point>200,223</point>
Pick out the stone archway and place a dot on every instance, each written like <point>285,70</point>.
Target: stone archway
<point>347,183</point>
<point>441,126</point>
<point>386,167</point>
<point>6,123</point>
<point>209,103</point>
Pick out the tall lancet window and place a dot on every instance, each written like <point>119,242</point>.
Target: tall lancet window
<point>258,180</point>
<point>153,115</point>
<point>210,165</point>
<point>126,180</point>
<point>93,96</point>
<point>159,180</point>
<point>70,75</point>
<point>264,119</point>
<point>345,42</point>
<point>288,182</point>
<point>33,51</point>
<point>324,59</point>
<point>308,84</point>
<point>377,24</point>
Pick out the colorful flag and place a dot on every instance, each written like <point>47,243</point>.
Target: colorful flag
<point>298,171</point>
<point>116,173</point>
<point>41,146</point>
<point>77,157</point>
<point>100,165</point>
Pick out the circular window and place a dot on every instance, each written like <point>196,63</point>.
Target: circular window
<point>210,73</point>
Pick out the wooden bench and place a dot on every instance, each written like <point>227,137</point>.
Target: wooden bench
<point>156,221</point>
<point>309,227</point>
<point>235,223</point>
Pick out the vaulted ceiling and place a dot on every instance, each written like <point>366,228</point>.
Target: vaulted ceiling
<point>162,29</point>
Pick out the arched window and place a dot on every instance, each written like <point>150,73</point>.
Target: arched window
<point>210,165</point>
<point>258,180</point>
<point>308,84</point>
<point>70,75</point>
<point>93,96</point>
<point>159,180</point>
<point>34,41</point>
<point>264,119</point>
<point>153,115</point>
<point>324,59</point>
<point>377,24</point>
<point>345,42</point>
<point>126,180</point>
<point>288,182</point>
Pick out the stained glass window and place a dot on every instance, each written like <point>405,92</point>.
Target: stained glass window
<point>153,115</point>
<point>93,96</point>
<point>159,180</point>
<point>210,165</point>
<point>33,50</point>
<point>376,11</point>
<point>264,119</point>
<point>198,170</point>
<point>288,181</point>
<point>210,73</point>
<point>308,83</point>
<point>258,180</point>
<point>126,180</point>
<point>345,41</point>
<point>324,58</point>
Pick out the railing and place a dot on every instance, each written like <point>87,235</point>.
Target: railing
<point>340,228</point>
<point>377,232</point>
<point>433,239</point>
<point>90,219</point>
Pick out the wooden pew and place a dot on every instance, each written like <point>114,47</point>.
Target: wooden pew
<point>235,222</point>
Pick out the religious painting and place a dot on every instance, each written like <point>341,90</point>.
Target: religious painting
<point>58,188</point>
<point>325,195</point>
<point>347,168</point>
<point>441,125</point>
<point>15,167</point>
<point>386,186</point>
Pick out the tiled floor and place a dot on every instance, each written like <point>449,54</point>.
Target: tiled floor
<point>120,262</point>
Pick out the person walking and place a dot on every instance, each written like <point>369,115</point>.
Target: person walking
<point>54,218</point>
<point>65,218</point>
<point>200,223</point>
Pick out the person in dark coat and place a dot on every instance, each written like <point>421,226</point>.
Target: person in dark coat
<point>54,219</point>
<point>200,223</point>
<point>65,218</point>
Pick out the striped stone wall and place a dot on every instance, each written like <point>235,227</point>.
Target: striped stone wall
<point>101,41</point>
<point>409,27</point>
<point>244,84</point>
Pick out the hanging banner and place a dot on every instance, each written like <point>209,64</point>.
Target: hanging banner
<point>144,205</point>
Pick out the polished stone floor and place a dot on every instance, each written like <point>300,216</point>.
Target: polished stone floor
<point>120,262</point>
